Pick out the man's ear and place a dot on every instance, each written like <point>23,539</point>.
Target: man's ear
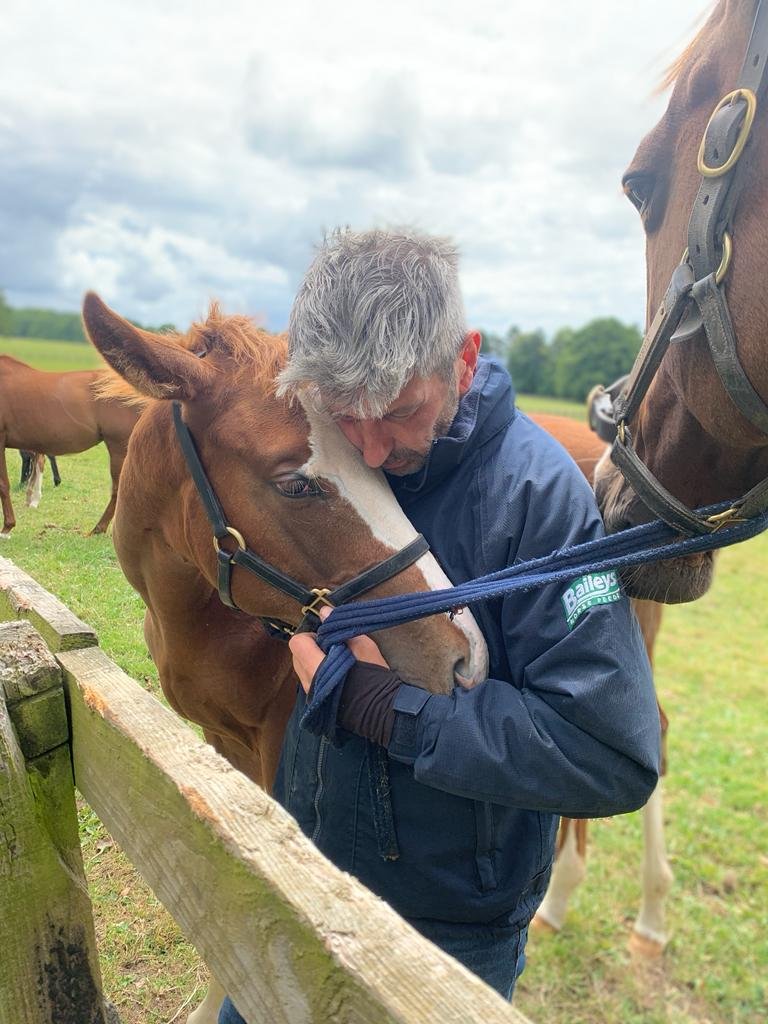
<point>467,361</point>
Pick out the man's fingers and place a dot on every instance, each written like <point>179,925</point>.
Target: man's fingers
<point>365,649</point>
<point>306,657</point>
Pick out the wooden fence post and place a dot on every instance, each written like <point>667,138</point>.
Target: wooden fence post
<point>49,972</point>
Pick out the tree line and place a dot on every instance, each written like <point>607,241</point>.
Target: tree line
<point>566,365</point>
<point>31,322</point>
<point>571,362</point>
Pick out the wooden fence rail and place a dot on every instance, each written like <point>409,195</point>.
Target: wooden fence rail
<point>293,939</point>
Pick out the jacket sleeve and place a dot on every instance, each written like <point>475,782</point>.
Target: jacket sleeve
<point>575,728</point>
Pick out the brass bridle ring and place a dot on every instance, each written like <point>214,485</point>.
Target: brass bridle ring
<point>741,140</point>
<point>722,270</point>
<point>233,533</point>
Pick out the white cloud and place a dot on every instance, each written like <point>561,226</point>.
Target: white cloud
<point>163,154</point>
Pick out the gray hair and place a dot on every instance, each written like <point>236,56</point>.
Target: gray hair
<point>375,309</point>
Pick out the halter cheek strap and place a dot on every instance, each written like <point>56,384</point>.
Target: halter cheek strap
<point>310,599</point>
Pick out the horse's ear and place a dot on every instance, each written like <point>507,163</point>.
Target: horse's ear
<point>152,363</point>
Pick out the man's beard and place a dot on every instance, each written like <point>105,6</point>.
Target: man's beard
<point>405,461</point>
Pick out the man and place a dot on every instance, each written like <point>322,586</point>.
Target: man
<point>566,723</point>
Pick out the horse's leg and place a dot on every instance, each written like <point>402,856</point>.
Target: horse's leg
<point>26,467</point>
<point>116,458</point>
<point>9,520</point>
<point>35,484</point>
<point>208,1011</point>
<point>54,470</point>
<point>568,872</point>
<point>649,934</point>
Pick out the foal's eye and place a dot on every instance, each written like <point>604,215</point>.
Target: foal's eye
<point>296,485</point>
<point>638,188</point>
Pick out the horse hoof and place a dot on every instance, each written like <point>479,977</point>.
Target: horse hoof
<point>543,926</point>
<point>5,536</point>
<point>97,529</point>
<point>642,947</point>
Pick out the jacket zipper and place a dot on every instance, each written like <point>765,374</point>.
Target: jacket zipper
<point>319,788</point>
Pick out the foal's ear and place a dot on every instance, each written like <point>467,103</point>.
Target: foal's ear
<point>152,363</point>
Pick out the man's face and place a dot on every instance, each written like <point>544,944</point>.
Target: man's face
<point>400,441</point>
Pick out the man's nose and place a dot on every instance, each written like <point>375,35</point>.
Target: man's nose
<point>375,444</point>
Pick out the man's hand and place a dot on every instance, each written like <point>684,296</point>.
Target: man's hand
<point>307,656</point>
<point>366,705</point>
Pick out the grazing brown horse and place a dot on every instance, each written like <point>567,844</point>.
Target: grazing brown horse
<point>649,935</point>
<point>701,428</point>
<point>60,414</point>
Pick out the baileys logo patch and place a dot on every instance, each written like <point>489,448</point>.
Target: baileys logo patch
<point>586,591</point>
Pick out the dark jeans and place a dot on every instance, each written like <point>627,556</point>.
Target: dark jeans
<point>497,955</point>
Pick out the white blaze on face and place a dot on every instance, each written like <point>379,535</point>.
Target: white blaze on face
<point>367,491</point>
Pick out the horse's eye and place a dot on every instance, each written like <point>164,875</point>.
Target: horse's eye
<point>296,485</point>
<point>638,188</point>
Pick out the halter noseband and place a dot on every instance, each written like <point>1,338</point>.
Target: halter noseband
<point>695,299</point>
<point>310,600</point>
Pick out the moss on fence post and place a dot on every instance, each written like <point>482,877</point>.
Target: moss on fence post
<point>49,971</point>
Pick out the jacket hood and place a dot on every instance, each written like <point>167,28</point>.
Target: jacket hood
<point>483,411</point>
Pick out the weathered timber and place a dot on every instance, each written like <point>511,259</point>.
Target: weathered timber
<point>49,970</point>
<point>22,598</point>
<point>293,939</point>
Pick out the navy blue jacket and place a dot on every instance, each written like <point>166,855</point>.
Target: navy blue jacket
<point>458,822</point>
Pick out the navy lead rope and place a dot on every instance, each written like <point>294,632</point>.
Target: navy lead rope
<point>652,542</point>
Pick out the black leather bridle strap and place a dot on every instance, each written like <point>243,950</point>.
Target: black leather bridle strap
<point>652,493</point>
<point>311,600</point>
<point>222,531</point>
<point>710,299</point>
<point>211,503</point>
<point>655,343</point>
<point>380,573</point>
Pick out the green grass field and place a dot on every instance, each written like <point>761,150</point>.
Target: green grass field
<point>51,355</point>
<point>711,676</point>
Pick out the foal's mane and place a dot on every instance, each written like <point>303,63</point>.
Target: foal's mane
<point>257,353</point>
<point>241,338</point>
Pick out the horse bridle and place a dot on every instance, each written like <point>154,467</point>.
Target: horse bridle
<point>310,599</point>
<point>695,299</point>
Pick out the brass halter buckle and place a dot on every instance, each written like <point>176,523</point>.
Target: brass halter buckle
<point>233,533</point>
<point>741,140</point>
<point>321,598</point>
<point>731,515</point>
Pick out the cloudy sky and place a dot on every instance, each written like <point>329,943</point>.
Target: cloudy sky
<point>166,153</point>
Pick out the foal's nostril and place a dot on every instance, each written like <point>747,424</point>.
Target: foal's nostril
<point>462,673</point>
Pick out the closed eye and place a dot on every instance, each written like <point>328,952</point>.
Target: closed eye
<point>638,188</point>
<point>296,485</point>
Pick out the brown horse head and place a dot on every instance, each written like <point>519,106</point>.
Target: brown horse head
<point>687,431</point>
<point>287,479</point>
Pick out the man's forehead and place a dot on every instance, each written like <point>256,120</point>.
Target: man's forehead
<point>412,395</point>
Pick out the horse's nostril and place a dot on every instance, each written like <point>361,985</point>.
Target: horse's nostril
<point>462,673</point>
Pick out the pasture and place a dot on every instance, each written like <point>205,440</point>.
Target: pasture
<point>711,676</point>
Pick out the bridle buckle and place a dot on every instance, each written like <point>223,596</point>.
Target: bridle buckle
<point>321,598</point>
<point>726,518</point>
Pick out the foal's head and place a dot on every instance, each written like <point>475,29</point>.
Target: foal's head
<point>299,493</point>
<point>687,431</point>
